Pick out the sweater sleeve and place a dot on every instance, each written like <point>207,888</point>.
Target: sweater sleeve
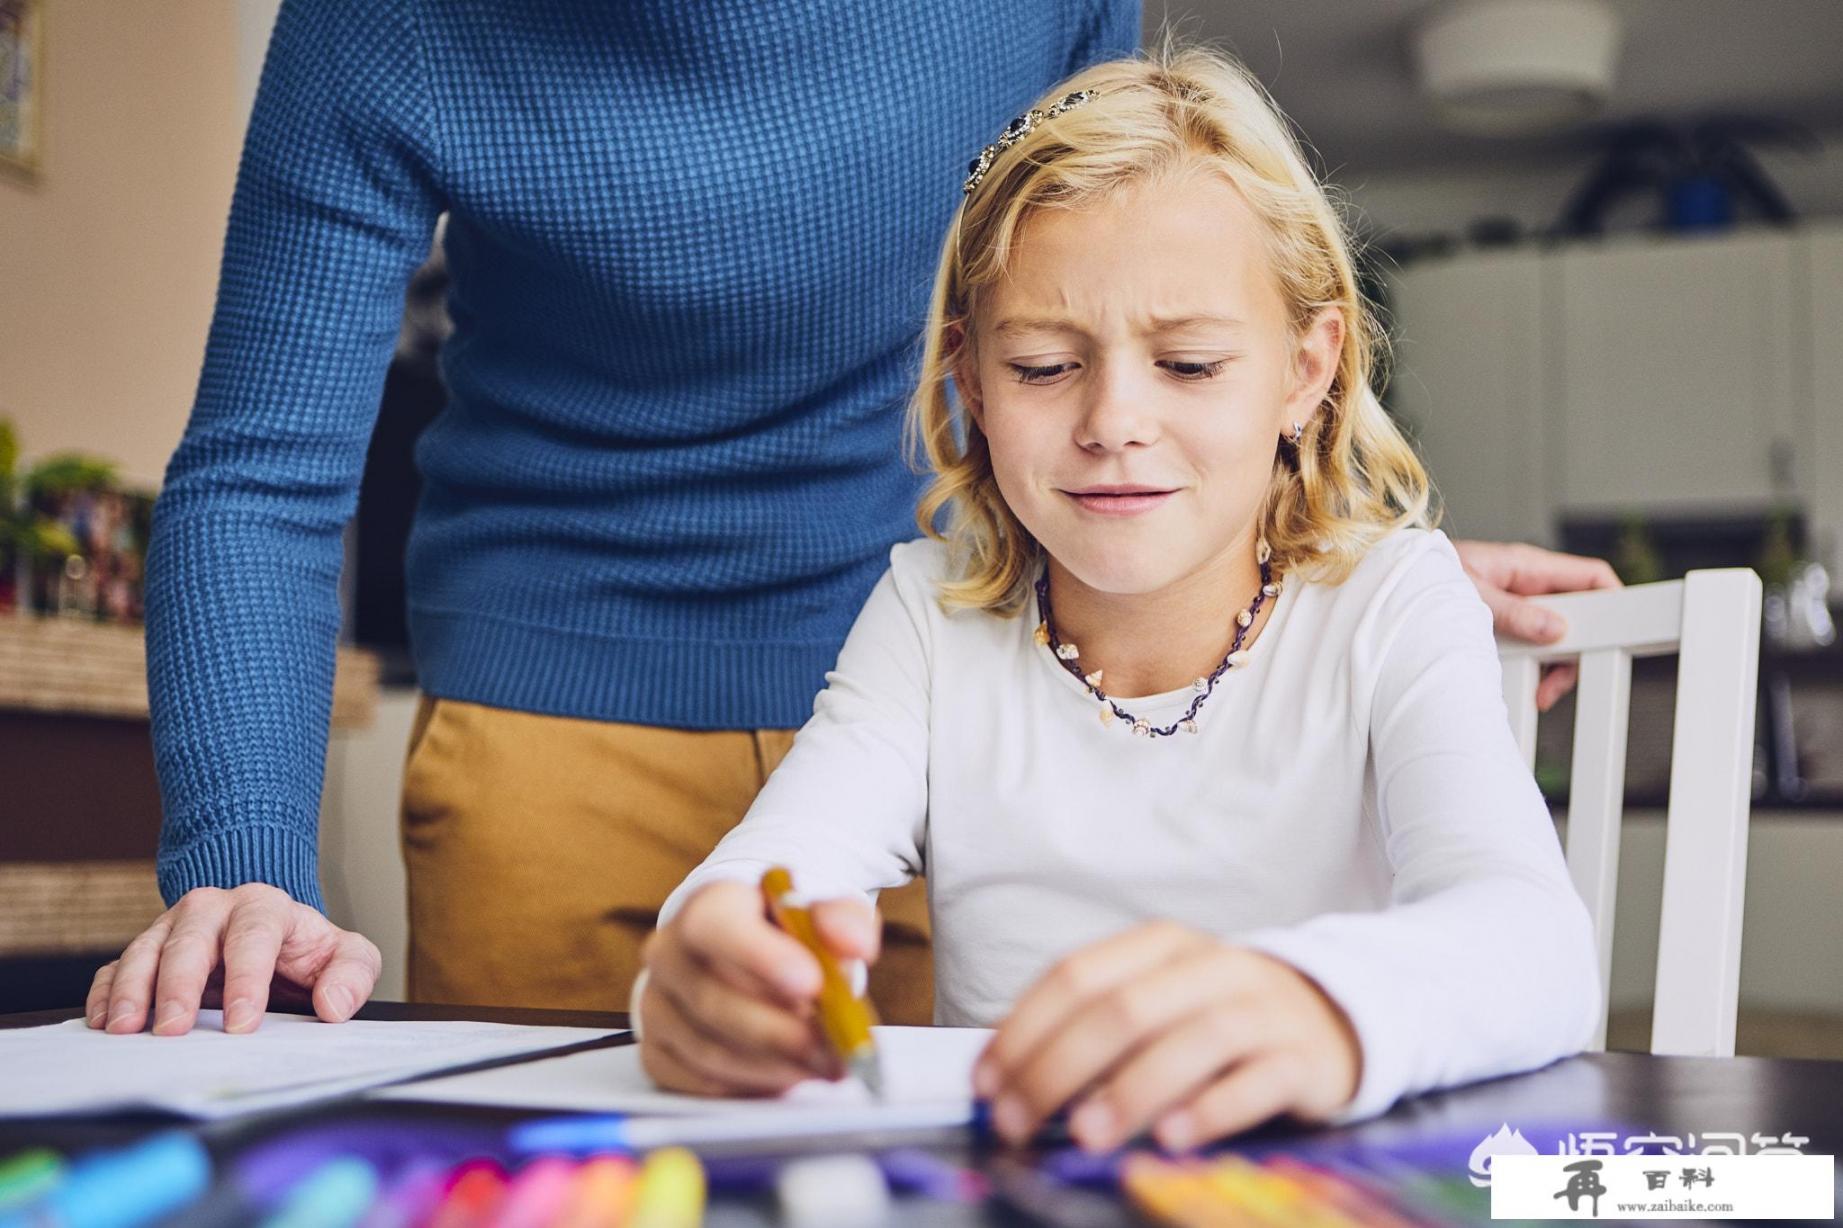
<point>846,810</point>
<point>1484,962</point>
<point>334,207</point>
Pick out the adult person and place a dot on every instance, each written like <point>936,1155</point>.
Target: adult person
<point>690,248</point>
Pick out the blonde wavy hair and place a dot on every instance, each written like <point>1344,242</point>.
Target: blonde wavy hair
<point>1353,479</point>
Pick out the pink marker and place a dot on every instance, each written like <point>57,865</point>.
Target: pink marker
<point>537,1195</point>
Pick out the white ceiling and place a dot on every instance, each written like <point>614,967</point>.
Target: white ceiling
<point>1341,70</point>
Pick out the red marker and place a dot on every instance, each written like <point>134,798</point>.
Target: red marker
<point>479,1186</point>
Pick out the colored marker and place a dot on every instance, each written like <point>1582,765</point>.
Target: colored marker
<point>1216,1193</point>
<point>1017,1183</point>
<point>839,1191</point>
<point>1314,1199</point>
<point>1339,1188</point>
<point>1054,1132</point>
<point>474,1192</point>
<point>411,1198</point>
<point>29,1175</point>
<point>671,1193</point>
<point>537,1195</point>
<point>580,1135</point>
<point>122,1188</point>
<point>911,1170</point>
<point>335,1195</point>
<point>603,1195</point>
<point>1266,1196</point>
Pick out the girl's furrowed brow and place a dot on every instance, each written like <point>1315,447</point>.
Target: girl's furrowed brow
<point>1171,324</point>
<point>1013,326</point>
<point>1017,326</point>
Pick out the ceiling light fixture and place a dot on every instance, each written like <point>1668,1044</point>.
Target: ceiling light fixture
<point>1506,67</point>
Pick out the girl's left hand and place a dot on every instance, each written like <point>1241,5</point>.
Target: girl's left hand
<point>1169,1028</point>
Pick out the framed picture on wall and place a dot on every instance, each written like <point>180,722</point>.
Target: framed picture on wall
<point>22,58</point>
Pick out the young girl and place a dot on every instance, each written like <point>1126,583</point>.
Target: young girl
<point>1190,718</point>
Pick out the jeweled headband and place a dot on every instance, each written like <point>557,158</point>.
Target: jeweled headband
<point>1016,131</point>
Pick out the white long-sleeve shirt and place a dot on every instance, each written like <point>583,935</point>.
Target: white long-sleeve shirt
<point>1353,803</point>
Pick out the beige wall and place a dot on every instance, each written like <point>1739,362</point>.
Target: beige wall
<point>109,262</point>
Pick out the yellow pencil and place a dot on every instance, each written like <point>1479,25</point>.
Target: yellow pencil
<point>845,1018</point>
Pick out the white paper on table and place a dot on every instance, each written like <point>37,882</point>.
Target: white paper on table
<point>69,1067</point>
<point>922,1068</point>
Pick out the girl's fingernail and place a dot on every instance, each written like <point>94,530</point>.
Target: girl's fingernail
<point>99,1016</point>
<point>1177,1132</point>
<point>121,1012</point>
<point>1093,1124</point>
<point>239,1015</point>
<point>339,1001</point>
<point>169,1013</point>
<point>858,930</point>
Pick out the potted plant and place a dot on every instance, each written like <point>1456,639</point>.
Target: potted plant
<point>27,534</point>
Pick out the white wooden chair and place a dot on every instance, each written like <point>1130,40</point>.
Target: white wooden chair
<point>1711,619</point>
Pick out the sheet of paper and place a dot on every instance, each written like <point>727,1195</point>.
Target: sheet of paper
<point>291,1059</point>
<point>921,1066</point>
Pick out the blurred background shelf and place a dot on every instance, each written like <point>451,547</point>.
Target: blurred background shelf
<point>78,667</point>
<point>79,799</point>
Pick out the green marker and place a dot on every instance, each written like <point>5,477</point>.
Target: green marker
<point>27,1175</point>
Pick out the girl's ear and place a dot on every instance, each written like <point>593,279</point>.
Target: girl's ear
<point>1315,364</point>
<point>965,375</point>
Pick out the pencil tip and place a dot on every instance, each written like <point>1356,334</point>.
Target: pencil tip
<point>866,1067</point>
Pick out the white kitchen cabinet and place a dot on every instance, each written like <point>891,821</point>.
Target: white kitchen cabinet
<point>1670,376</point>
<point>1470,386</point>
<point>1673,365</point>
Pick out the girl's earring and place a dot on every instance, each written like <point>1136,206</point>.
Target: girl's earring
<point>1298,433</point>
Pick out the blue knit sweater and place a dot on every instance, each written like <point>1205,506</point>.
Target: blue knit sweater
<point>691,245</point>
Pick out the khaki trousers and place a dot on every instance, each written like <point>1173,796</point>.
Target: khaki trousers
<point>539,849</point>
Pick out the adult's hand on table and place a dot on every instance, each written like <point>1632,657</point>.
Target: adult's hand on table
<point>240,949</point>
<point>729,1004</point>
<point>1166,1027</point>
<point>1508,572</point>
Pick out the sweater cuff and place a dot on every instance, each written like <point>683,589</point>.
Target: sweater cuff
<point>253,853</point>
<point>1374,1005</point>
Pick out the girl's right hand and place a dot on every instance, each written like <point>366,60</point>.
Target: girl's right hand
<point>728,1005</point>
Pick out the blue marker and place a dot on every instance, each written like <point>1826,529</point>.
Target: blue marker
<point>123,1189</point>
<point>336,1195</point>
<point>588,1134</point>
<point>570,1135</point>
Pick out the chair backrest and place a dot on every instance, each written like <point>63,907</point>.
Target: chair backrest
<point>1711,619</point>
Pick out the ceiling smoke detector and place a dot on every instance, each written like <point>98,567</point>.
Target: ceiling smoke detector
<point>1516,66</point>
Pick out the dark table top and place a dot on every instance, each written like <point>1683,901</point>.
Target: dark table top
<point>1618,1095</point>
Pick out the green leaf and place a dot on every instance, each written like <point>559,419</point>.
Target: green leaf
<point>68,471</point>
<point>9,448</point>
<point>48,538</point>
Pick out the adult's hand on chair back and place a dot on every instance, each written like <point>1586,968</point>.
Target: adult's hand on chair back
<point>241,949</point>
<point>1507,574</point>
